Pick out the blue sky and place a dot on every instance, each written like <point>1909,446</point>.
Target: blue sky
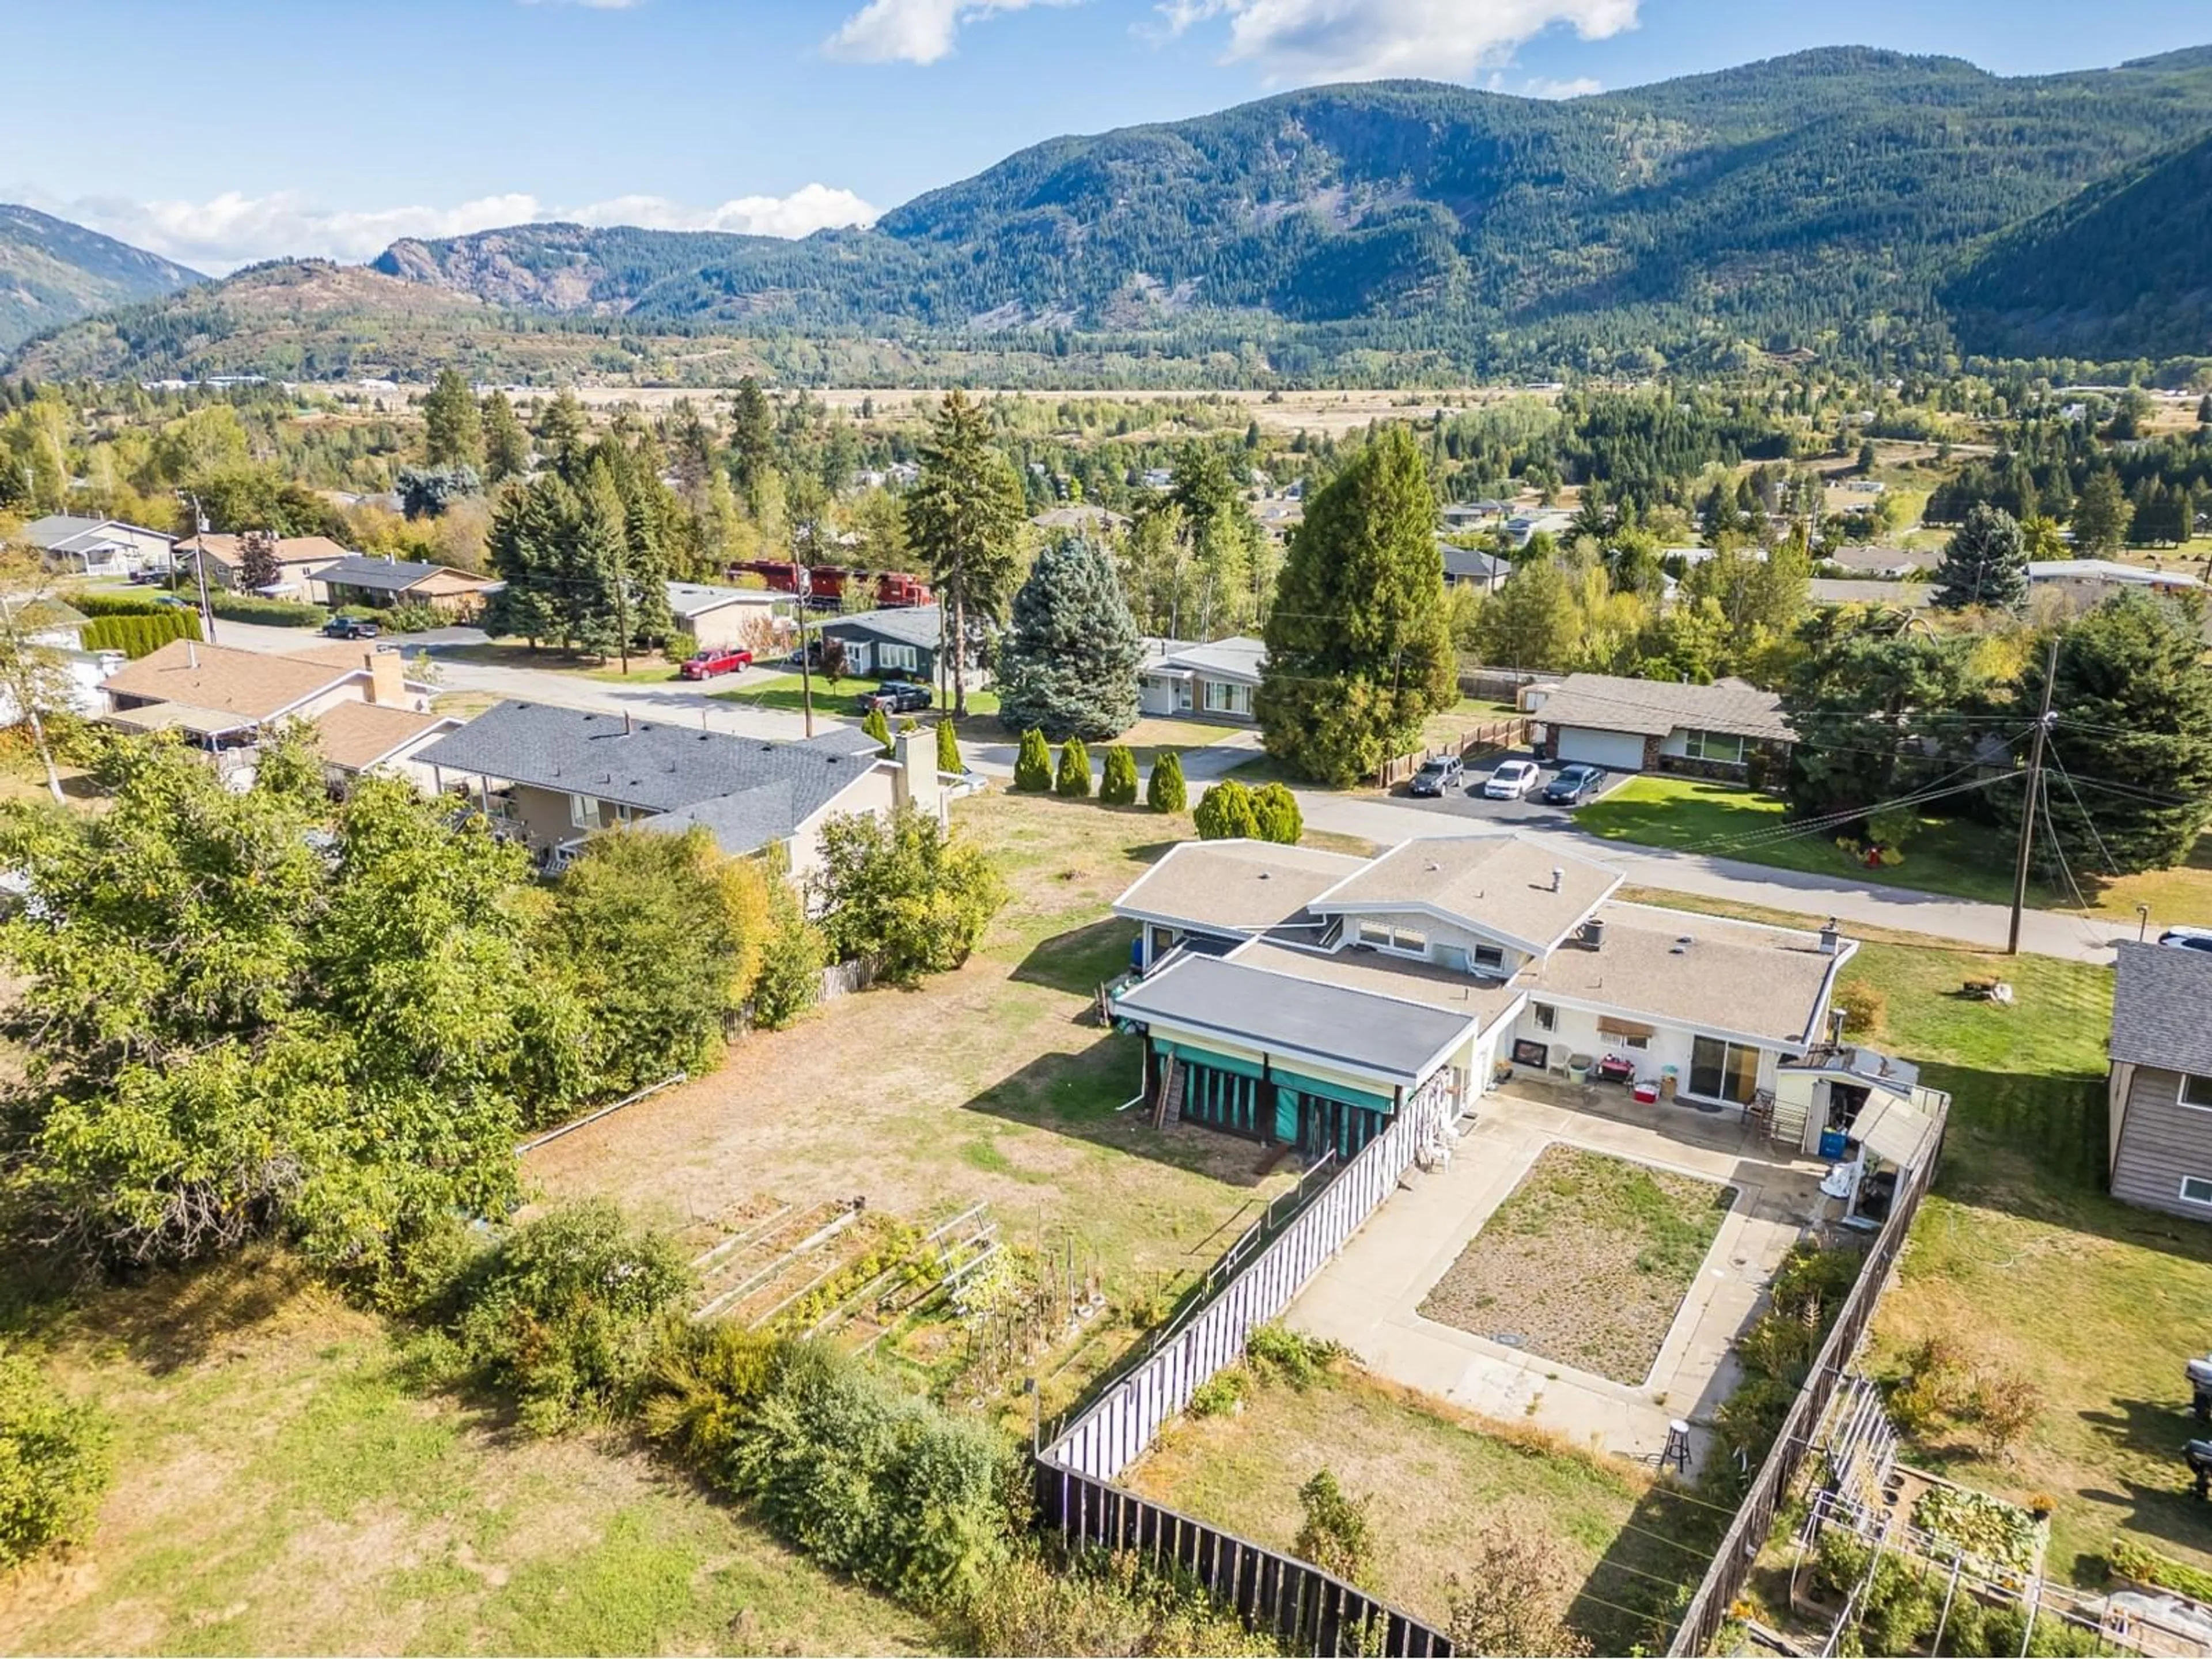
<point>222,130</point>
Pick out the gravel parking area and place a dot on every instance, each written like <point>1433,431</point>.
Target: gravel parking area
<point>1585,1263</point>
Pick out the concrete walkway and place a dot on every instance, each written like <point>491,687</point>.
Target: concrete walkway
<point>1368,1298</point>
<point>2044,932</point>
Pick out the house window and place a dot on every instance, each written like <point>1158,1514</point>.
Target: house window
<point>905,656</point>
<point>2196,1190</point>
<point>1489,957</point>
<point>584,811</point>
<point>1725,746</point>
<point>1374,933</point>
<point>1223,698</point>
<point>1723,1071</point>
<point>1391,936</point>
<point>1547,1017</point>
<point>2197,1092</point>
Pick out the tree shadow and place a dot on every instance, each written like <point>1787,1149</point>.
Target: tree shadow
<point>1635,1594</point>
<point>1081,1096</point>
<point>1080,960</point>
<point>173,1319</point>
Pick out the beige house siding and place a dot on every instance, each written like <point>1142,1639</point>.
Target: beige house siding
<point>2156,1140</point>
<point>544,815</point>
<point>873,793</point>
<point>1443,938</point>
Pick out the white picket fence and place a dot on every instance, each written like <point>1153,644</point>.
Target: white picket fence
<point>1108,1437</point>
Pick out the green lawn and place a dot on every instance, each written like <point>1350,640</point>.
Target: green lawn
<point>2020,1256</point>
<point>281,1487</point>
<point>785,692</point>
<point>1947,855</point>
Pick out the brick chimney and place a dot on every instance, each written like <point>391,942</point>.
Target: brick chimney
<point>387,678</point>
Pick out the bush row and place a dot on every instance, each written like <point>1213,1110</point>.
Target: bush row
<point>1037,773</point>
<point>275,613</point>
<point>94,602</point>
<point>140,635</point>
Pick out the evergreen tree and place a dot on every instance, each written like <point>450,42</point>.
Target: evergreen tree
<point>1165,791</point>
<point>1358,644</point>
<point>1873,704</point>
<point>1033,763</point>
<point>2100,516</point>
<point>1985,562</point>
<point>1068,664</point>
<point>505,445</point>
<point>523,548</point>
<point>561,431</point>
<point>1073,778</point>
<point>1225,813</point>
<point>965,518</point>
<point>1275,815</point>
<point>877,725</point>
<point>2204,409</point>
<point>1117,778</point>
<point>752,441</point>
<point>453,426</point>
<point>2130,785</point>
<point>948,750</point>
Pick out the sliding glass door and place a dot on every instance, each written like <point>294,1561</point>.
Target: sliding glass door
<point>1723,1071</point>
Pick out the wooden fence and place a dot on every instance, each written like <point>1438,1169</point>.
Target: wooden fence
<point>1490,737</point>
<point>1755,1518</point>
<point>1310,1611</point>
<point>1107,1435</point>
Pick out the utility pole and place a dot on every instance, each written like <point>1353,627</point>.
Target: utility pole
<point>199,563</point>
<point>802,587</point>
<point>2034,795</point>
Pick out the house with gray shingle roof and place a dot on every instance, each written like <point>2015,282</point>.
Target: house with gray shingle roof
<point>1661,725</point>
<point>1214,681</point>
<point>552,777</point>
<point>99,547</point>
<point>2158,1094</point>
<point>902,642</point>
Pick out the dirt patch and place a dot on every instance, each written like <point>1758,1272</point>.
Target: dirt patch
<point>1586,1263</point>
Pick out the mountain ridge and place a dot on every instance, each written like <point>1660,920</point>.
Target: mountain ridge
<point>53,272</point>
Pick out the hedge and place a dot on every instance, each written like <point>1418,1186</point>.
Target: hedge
<point>116,605</point>
<point>276,613</point>
<point>140,635</point>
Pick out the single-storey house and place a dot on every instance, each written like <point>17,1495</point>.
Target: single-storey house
<point>1470,515</point>
<point>1083,518</point>
<point>1660,725</point>
<point>2158,1093</point>
<point>2088,581</point>
<point>53,626</point>
<point>1524,528</point>
<point>552,777</point>
<point>903,643</point>
<point>1852,590</point>
<point>1214,681</point>
<point>299,560</point>
<point>1307,998</point>
<point>723,617</point>
<point>384,582</point>
<point>1470,567</point>
<point>1884,563</point>
<point>224,700</point>
<point>99,547</point>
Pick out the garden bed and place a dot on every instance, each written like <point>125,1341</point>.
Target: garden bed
<point>1585,1263</point>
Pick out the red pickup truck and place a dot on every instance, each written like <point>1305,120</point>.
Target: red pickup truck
<point>705,665</point>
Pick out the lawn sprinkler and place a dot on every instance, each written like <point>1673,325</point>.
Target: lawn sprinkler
<point>2200,1385</point>
<point>2199,1454</point>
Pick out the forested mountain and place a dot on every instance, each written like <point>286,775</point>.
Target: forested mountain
<point>53,272</point>
<point>1817,201</point>
<point>2128,258</point>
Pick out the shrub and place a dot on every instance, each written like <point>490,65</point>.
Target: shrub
<point>1219,1394</point>
<point>1225,813</point>
<point>1863,1007</point>
<point>2147,1566</point>
<point>1283,1355</point>
<point>877,725</point>
<point>137,635</point>
<point>1335,1535</point>
<point>1117,777</point>
<point>275,613</point>
<point>1073,778</point>
<point>414,618</point>
<point>793,954</point>
<point>903,892</point>
<point>54,1462</point>
<point>1033,763</point>
<point>1164,790</point>
<point>568,1312</point>
<point>1509,1601</point>
<point>1275,815</point>
<point>948,749</point>
<point>2004,1406</point>
<point>1096,1603</point>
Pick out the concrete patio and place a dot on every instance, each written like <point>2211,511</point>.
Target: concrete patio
<point>1368,1298</point>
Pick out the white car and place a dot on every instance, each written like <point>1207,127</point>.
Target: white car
<point>1511,781</point>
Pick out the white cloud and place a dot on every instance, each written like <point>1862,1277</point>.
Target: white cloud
<point>1298,42</point>
<point>232,229</point>
<point>913,31</point>
<point>1543,86</point>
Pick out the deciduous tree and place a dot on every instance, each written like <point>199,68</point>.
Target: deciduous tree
<point>903,892</point>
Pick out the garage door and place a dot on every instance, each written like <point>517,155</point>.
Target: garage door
<point>1616,752</point>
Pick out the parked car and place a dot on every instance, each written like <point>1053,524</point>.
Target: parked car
<point>895,697</point>
<point>2187,938</point>
<point>148,577</point>
<point>1438,772</point>
<point>1574,785</point>
<point>1511,781</point>
<point>809,657</point>
<point>718,659</point>
<point>350,628</point>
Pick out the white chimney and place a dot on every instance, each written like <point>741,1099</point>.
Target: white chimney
<point>1557,876</point>
<point>916,783</point>
<point>1831,938</point>
<point>192,655</point>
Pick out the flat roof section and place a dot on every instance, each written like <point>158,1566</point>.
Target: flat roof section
<point>1496,885</point>
<point>1372,971</point>
<point>1731,978</point>
<point>1293,1019</point>
<point>1234,886</point>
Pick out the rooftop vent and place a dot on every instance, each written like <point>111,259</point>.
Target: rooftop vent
<point>1831,938</point>
<point>1557,876</point>
<point>1591,934</point>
